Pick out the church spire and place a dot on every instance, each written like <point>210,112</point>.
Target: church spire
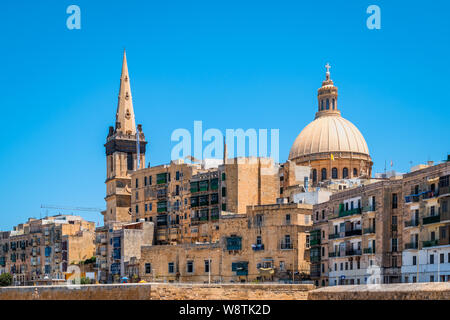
<point>327,96</point>
<point>125,122</point>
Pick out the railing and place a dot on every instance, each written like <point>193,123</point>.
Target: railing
<point>369,230</point>
<point>429,194</point>
<point>353,252</point>
<point>444,190</point>
<point>333,236</point>
<point>286,246</point>
<point>258,247</point>
<point>351,212</point>
<point>430,243</point>
<point>411,223</point>
<point>356,232</point>
<point>369,208</point>
<point>369,250</point>
<point>431,219</point>
<point>334,254</point>
<point>411,245</point>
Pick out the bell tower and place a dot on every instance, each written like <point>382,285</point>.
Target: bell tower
<point>122,145</point>
<point>327,97</point>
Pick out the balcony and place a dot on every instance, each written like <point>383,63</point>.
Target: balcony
<point>353,252</point>
<point>369,230</point>
<point>334,236</point>
<point>369,250</point>
<point>314,242</point>
<point>444,191</point>
<point>346,213</point>
<point>286,246</point>
<point>430,243</point>
<point>369,208</point>
<point>334,254</point>
<point>411,245</point>
<point>356,232</point>
<point>411,223</point>
<point>429,195</point>
<point>258,247</point>
<point>432,219</point>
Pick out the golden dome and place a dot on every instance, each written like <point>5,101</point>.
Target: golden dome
<point>329,134</point>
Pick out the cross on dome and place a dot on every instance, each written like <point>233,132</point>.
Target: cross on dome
<point>328,67</point>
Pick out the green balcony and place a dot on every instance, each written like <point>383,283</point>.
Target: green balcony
<point>369,209</point>
<point>314,242</point>
<point>351,212</point>
<point>432,219</point>
<point>333,236</point>
<point>430,243</point>
<point>369,230</point>
<point>368,250</point>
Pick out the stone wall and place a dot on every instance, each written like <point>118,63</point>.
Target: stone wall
<point>401,291</point>
<point>151,291</point>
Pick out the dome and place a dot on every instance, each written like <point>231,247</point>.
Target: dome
<point>329,134</point>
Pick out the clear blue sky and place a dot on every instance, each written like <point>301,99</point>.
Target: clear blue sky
<point>231,64</point>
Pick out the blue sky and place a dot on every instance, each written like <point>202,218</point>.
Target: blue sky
<point>231,64</point>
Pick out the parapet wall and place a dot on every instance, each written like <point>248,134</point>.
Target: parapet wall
<point>401,291</point>
<point>158,291</point>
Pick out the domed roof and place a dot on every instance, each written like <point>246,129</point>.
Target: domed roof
<point>328,133</point>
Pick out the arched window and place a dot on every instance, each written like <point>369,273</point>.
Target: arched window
<point>334,173</point>
<point>324,174</point>
<point>328,104</point>
<point>314,175</point>
<point>355,172</point>
<point>322,105</point>
<point>344,173</point>
<point>334,104</point>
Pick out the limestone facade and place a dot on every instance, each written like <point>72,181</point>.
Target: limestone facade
<point>44,248</point>
<point>269,243</point>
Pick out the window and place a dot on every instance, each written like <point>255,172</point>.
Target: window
<point>334,173</point>
<point>334,103</point>
<point>145,181</point>
<point>394,201</point>
<point>288,219</point>
<point>146,207</point>
<point>314,175</point>
<point>148,268</point>
<point>414,260</point>
<point>355,172</point>
<point>137,183</point>
<point>150,180</point>
<point>323,214</point>
<point>224,191</point>
<point>328,104</point>
<point>441,258</point>
<point>207,266</point>
<point>324,174</point>
<point>130,161</point>
<point>190,266</point>
<point>345,173</point>
<point>431,258</point>
<point>171,267</point>
<point>224,176</point>
<point>177,175</point>
<point>137,209</point>
<point>394,245</point>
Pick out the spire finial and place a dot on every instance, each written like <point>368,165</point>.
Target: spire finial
<point>328,67</point>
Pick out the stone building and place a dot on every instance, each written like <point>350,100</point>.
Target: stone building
<point>331,145</point>
<point>357,234</point>
<point>269,243</point>
<point>44,248</point>
<point>426,216</point>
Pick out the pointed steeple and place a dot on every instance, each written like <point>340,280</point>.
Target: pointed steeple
<point>125,122</point>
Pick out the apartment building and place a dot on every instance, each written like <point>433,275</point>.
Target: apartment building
<point>118,249</point>
<point>357,234</point>
<point>269,243</point>
<point>44,248</point>
<point>426,213</point>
